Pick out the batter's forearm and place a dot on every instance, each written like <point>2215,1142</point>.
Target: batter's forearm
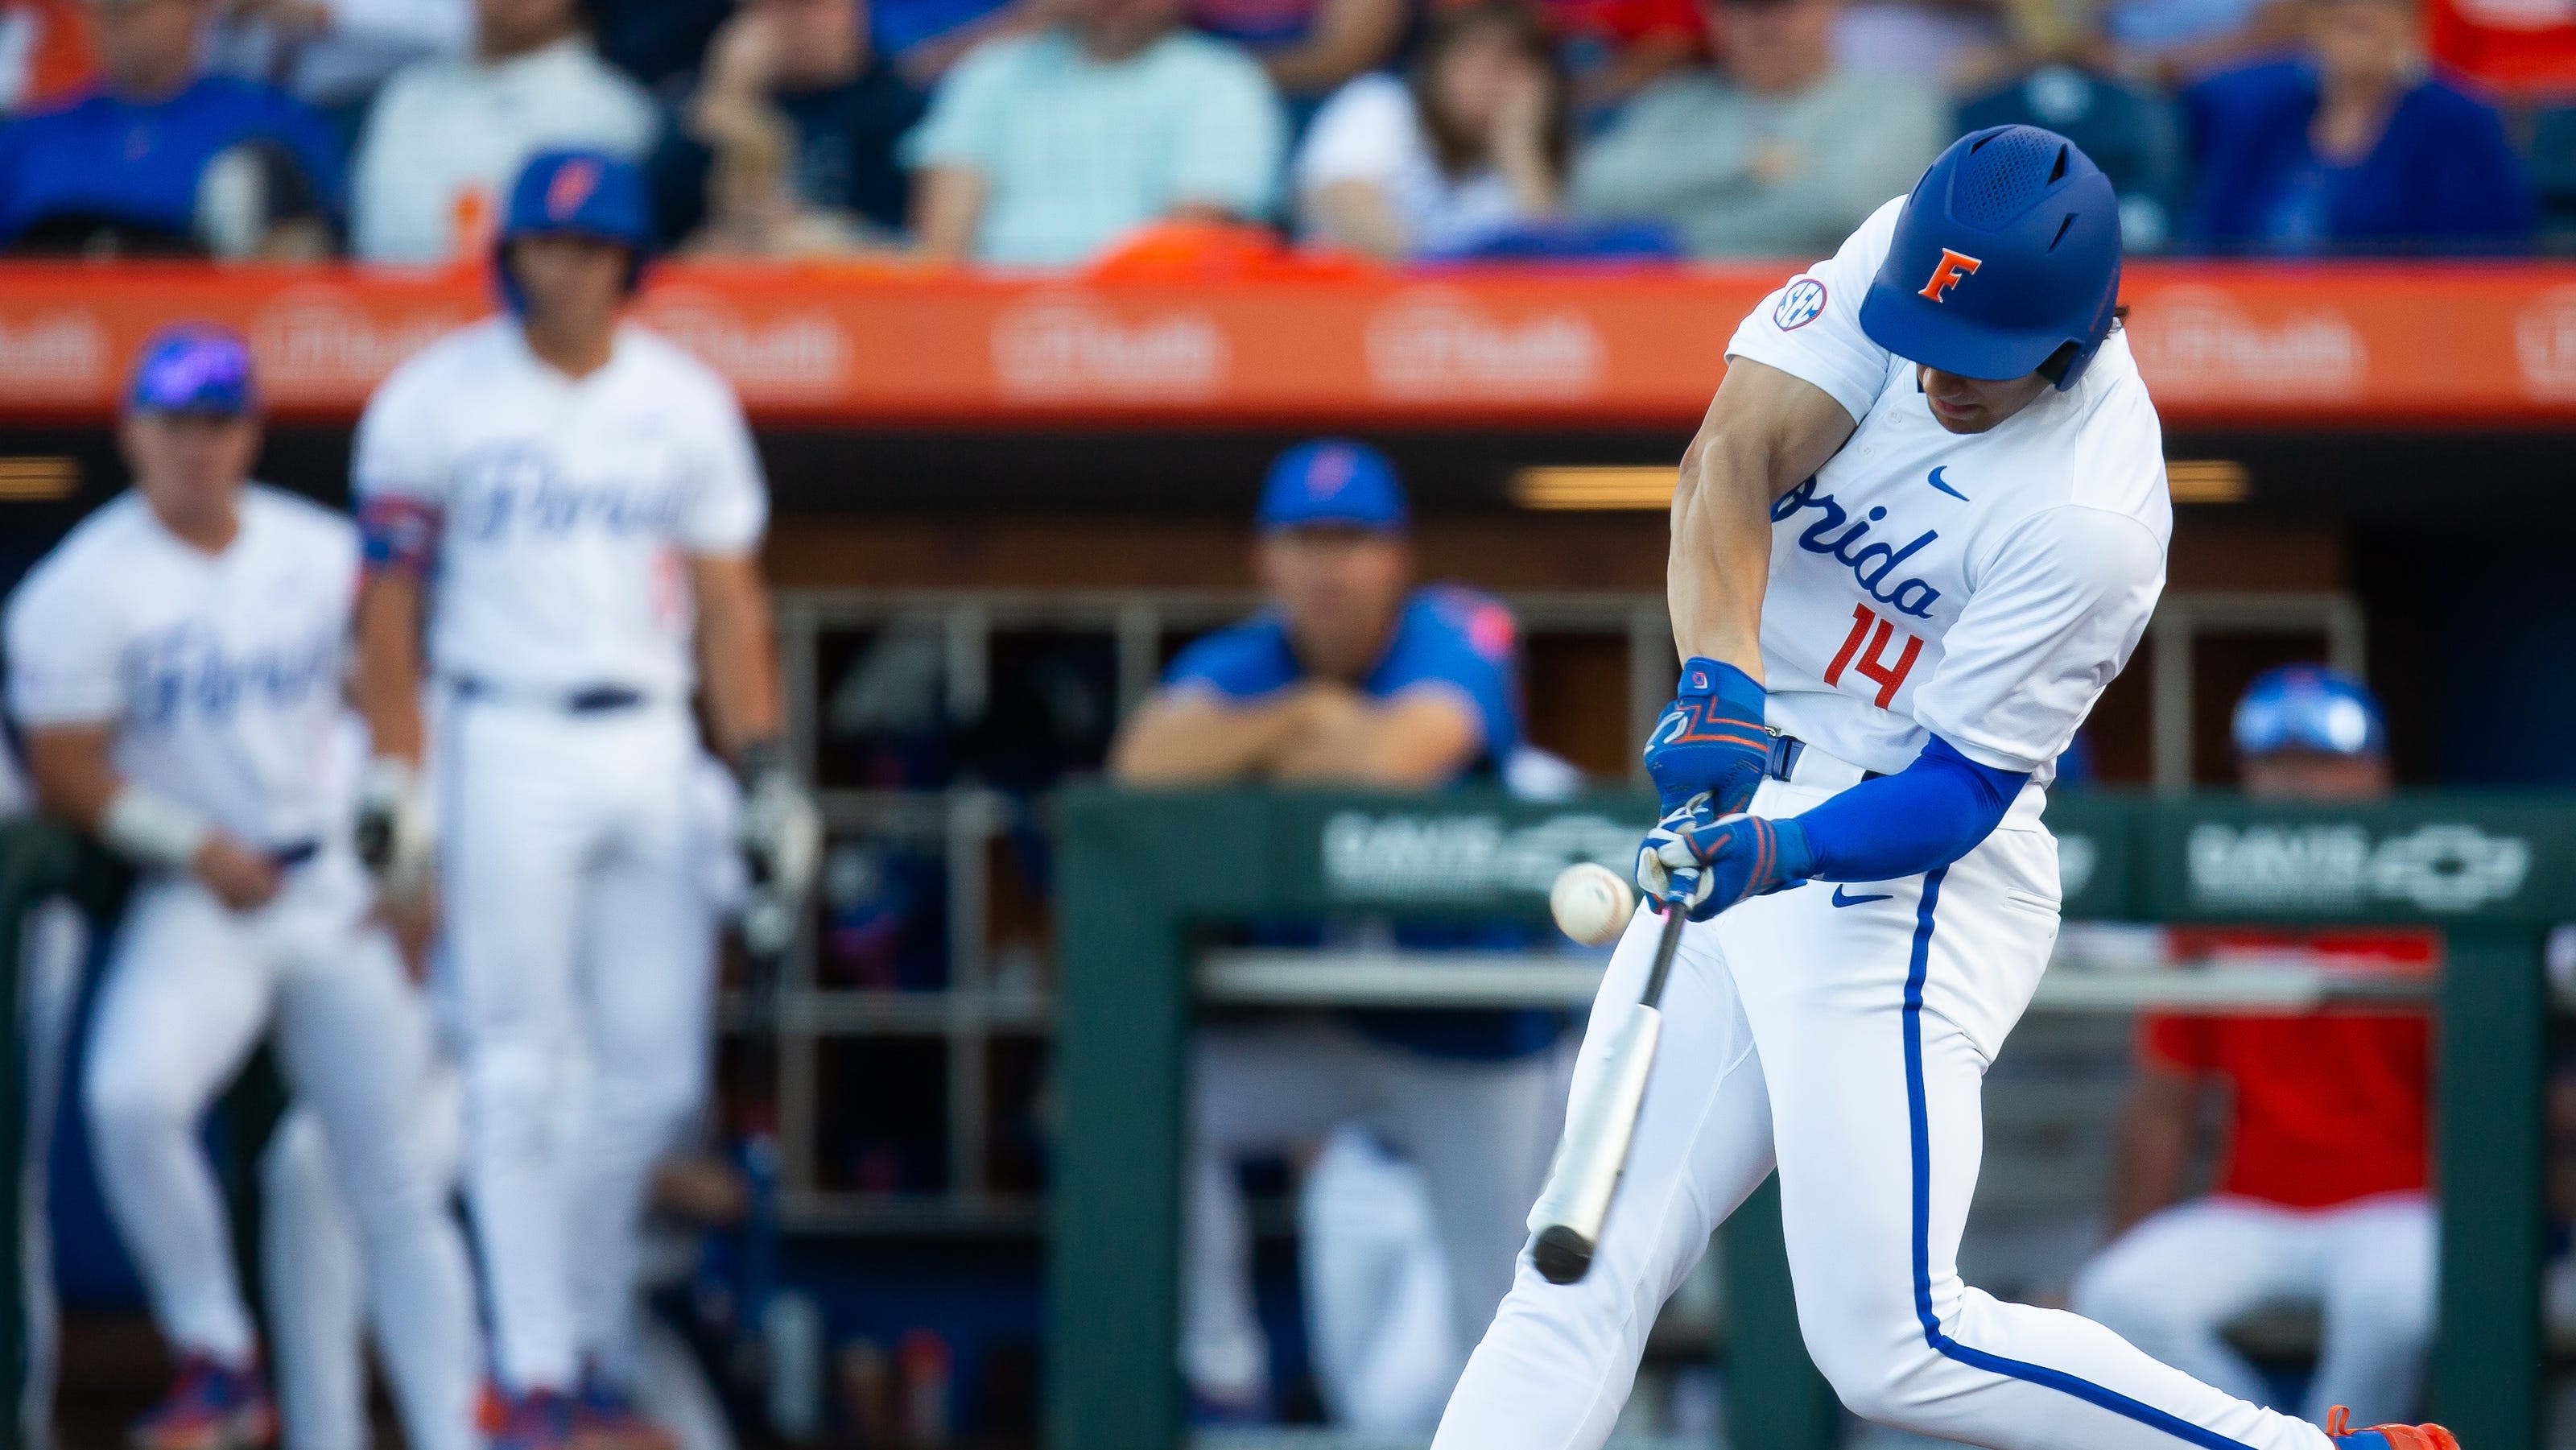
<point>1721,552</point>
<point>387,684</point>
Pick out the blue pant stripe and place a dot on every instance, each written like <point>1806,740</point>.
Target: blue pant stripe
<point>1920,1118</point>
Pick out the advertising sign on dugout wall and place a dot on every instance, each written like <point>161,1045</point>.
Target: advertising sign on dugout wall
<point>2220,343</point>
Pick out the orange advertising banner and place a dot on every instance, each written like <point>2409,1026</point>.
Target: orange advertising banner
<point>2220,343</point>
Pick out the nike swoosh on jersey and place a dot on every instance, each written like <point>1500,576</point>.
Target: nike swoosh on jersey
<point>1841,899</point>
<point>1935,481</point>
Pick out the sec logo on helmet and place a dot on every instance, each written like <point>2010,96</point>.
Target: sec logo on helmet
<point>1803,303</point>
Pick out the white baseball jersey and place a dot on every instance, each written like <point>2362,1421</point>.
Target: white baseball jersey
<point>221,672</point>
<point>1981,587</point>
<point>563,509</point>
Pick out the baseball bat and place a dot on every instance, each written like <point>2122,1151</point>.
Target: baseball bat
<point>1566,1220</point>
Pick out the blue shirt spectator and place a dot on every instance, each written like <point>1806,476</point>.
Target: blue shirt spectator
<point>1040,150</point>
<point>2352,148</point>
<point>135,166</point>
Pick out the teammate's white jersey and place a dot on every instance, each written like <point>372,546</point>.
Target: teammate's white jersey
<point>1982,587</point>
<point>221,673</point>
<point>562,510</point>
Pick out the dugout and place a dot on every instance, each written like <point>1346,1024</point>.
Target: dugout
<point>1019,496</point>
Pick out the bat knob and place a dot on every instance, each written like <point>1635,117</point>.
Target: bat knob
<point>1561,1254</point>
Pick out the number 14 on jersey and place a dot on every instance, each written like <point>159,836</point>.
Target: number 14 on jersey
<point>1871,663</point>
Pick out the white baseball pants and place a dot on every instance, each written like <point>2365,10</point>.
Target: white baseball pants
<point>190,991</point>
<point>309,1261</point>
<point>1843,1034</point>
<point>2171,1284</point>
<point>577,933</point>
<point>1479,1132</point>
<point>57,941</point>
<point>1378,1320</point>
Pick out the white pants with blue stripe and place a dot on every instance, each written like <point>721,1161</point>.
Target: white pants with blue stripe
<point>1843,1034</point>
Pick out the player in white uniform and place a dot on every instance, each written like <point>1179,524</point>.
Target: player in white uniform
<point>1927,512</point>
<point>572,503</point>
<point>178,663</point>
<point>50,954</point>
<point>310,1253</point>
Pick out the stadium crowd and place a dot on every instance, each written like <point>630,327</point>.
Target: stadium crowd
<point>1042,132</point>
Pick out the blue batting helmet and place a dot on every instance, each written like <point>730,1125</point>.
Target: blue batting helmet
<point>575,193</point>
<point>2309,707</point>
<point>2006,260</point>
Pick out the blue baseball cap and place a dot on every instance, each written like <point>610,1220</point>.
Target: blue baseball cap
<point>194,367</point>
<point>1333,483</point>
<point>2309,707</point>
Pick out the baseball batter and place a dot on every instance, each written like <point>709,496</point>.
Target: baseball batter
<point>1922,526</point>
<point>178,664</point>
<point>573,504</point>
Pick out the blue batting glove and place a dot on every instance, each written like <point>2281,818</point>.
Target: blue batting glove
<point>1711,739</point>
<point>1709,862</point>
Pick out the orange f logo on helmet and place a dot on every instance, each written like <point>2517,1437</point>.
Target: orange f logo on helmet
<point>572,186</point>
<point>1946,275</point>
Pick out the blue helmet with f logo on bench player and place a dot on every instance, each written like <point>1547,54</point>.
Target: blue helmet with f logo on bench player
<point>2006,261</point>
<point>575,193</point>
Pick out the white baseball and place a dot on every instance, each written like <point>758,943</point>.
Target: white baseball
<point>1591,903</point>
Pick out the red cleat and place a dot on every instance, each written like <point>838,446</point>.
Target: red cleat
<point>2386,1437</point>
<point>212,1407</point>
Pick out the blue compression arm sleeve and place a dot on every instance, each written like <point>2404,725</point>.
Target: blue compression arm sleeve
<point>1927,815</point>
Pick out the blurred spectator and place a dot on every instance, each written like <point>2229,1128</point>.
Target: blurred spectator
<point>656,40</point>
<point>1947,43</point>
<point>2128,130</point>
<point>1471,142</point>
<point>2352,148</point>
<point>45,52</point>
<point>447,136</point>
<point>794,121</point>
<point>925,37</point>
<point>1781,154</point>
<point>1041,149</point>
<point>334,53</point>
<point>2526,47</point>
<point>155,158</point>
<point>2173,42</point>
<point>1309,47</point>
<point>2321,1191</point>
<point>1616,48</point>
<point>749,207</point>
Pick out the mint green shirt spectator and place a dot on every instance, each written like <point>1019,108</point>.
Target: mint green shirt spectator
<point>1066,152</point>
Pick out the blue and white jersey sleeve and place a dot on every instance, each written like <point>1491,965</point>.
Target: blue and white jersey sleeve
<point>66,649</point>
<point>1810,328</point>
<point>1245,662</point>
<point>401,449</point>
<point>1466,644</point>
<point>2058,610</point>
<point>729,503</point>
